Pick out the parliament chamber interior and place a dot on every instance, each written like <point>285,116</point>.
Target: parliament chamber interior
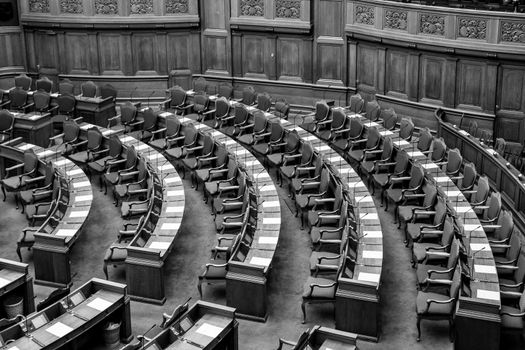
<point>262,174</point>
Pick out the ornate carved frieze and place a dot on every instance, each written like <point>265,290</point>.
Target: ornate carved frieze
<point>176,6</point>
<point>365,15</point>
<point>472,28</point>
<point>71,6</point>
<point>39,6</point>
<point>513,31</point>
<point>432,24</point>
<point>395,19</point>
<point>288,9</point>
<point>141,7</point>
<point>252,7</point>
<point>106,7</point>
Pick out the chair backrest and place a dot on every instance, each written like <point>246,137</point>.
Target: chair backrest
<point>521,303</point>
<point>473,128</point>
<point>259,122</point>
<point>325,180</point>
<point>233,169</point>
<point>448,232</point>
<point>356,103</point>
<point>142,168</point>
<point>416,177</point>
<point>456,284</point>
<point>406,129</point>
<point>44,84</point>
<point>276,131</point>
<point>222,155</point>
<point>128,113</point>
<point>506,223</point>
<point>389,118</point>
<point>401,163</point>
<point>499,146</point>
<point>115,146</point>
<point>321,110</point>
<point>172,126</point>
<point>372,110</point>
<point>454,161</point>
<point>41,99</point>
<point>23,81</point>
<point>338,118</point>
<point>94,138</point>
<point>430,191</point>
<point>388,148</point>
<point>307,152</point>
<point>52,298</point>
<point>66,103</point>
<point>281,109</point>
<point>356,128</point>
<point>519,274</point>
<point>374,137</point>
<point>241,114</point>
<point>30,161</point>
<point>494,207</point>
<point>178,96</point>
<point>249,95</point>
<point>88,89</point>
<point>293,141</point>
<point>200,85</point>
<point>425,140</point>
<point>225,90</point>
<point>454,253</point>
<point>71,130</point>
<point>222,107</point>
<point>6,120</point>
<point>18,97</point>
<point>108,90</point>
<point>264,102</point>
<point>515,246</point>
<point>439,150</point>
<point>200,102</point>
<point>469,176</point>
<point>190,135</point>
<point>441,211</point>
<point>131,157</point>
<point>208,144</point>
<point>150,119</point>
<point>66,87</point>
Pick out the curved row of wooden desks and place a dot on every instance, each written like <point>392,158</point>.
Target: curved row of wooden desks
<point>477,320</point>
<point>503,176</point>
<point>52,249</point>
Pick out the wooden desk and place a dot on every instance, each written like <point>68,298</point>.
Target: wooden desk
<point>71,320</point>
<point>34,127</point>
<point>15,280</point>
<point>95,110</point>
<point>204,326</point>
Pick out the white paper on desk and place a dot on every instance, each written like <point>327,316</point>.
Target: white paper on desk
<point>230,142</point>
<point>356,184</point>
<point>485,269</point>
<point>87,197</point>
<point>241,151</point>
<point>268,240</point>
<point>99,304</point>
<point>463,132</point>
<point>190,92</point>
<point>263,175</point>
<point>81,184</point>
<point>127,139</point>
<point>46,153</point>
<point>487,294</point>
<point>108,132</point>
<point>54,95</point>
<point>415,154</point>
<point>260,261</point>
<point>476,247</point>
<point>4,282</point>
<point>174,209</point>
<point>86,126</point>
<point>369,277</point>
<point>267,115</point>
<point>175,193</point>
<point>155,156</point>
<point>310,138</point>
<point>372,234</point>
<point>26,146</point>
<point>73,172</point>
<point>213,97</point>
<point>372,254</point>
<point>472,227</point>
<point>165,114</point>
<point>59,329</point>
<point>284,121</point>
<point>170,226</point>
<point>371,124</point>
<point>452,193</point>
<point>209,330</point>
<point>346,170</point>
<point>401,143</point>
<point>159,245</point>
<point>216,133</point>
<point>463,209</point>
<point>386,133</point>
<point>267,188</point>
<point>62,162</point>
<point>64,232</point>
<point>173,179</point>
<point>79,214</point>
<point>184,120</point>
<point>270,204</point>
<point>337,160</point>
<point>323,148</point>
<point>200,126</point>
<point>368,216</point>
<point>429,166</point>
<point>166,166</point>
<point>270,221</point>
<point>442,178</point>
<point>251,163</point>
<point>142,147</point>
<point>35,117</point>
<point>364,199</point>
<point>14,348</point>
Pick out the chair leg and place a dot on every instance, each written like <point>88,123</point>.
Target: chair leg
<point>19,253</point>
<point>105,269</point>
<point>451,330</point>
<point>16,200</point>
<point>303,309</point>
<point>3,191</point>
<point>418,328</point>
<point>199,287</point>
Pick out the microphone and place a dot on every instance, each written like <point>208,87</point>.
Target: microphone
<point>149,97</point>
<point>470,232</point>
<point>132,92</point>
<point>471,268</point>
<point>144,336</point>
<point>461,120</point>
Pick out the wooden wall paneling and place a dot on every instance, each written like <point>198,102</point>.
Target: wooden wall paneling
<point>397,73</point>
<point>111,51</point>
<point>380,75</point>
<point>145,61</point>
<point>12,46</point>
<point>255,51</point>
<point>450,81</point>
<point>216,41</point>
<point>179,53</point>
<point>414,63</point>
<point>46,51</point>
<point>126,56</point>
<point>367,68</point>
<point>94,62</point>
<point>491,84</point>
<point>432,80</point>
<point>352,50</point>
<point>76,53</point>
<point>470,80</point>
<point>292,56</point>
<point>510,116</point>
<point>236,54</point>
<point>161,50</point>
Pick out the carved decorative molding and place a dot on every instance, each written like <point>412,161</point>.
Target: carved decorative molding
<point>432,24</point>
<point>513,31</point>
<point>395,19</point>
<point>472,28</point>
<point>288,9</point>
<point>71,6</point>
<point>39,6</point>
<point>141,7</point>
<point>106,7</point>
<point>252,8</point>
<point>365,15</point>
<point>176,6</point>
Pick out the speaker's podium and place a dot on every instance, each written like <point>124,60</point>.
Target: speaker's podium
<point>95,110</point>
